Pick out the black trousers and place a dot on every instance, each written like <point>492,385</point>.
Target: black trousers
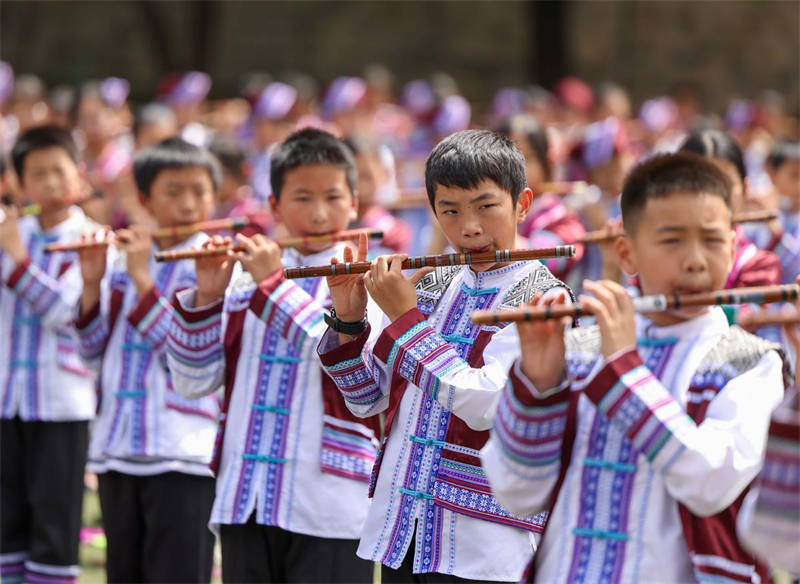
<point>41,497</point>
<point>405,573</point>
<point>157,527</point>
<point>259,553</point>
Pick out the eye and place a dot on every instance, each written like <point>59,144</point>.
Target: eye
<point>449,212</point>
<point>715,240</point>
<point>487,205</point>
<point>669,241</point>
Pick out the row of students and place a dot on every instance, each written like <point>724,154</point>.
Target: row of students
<point>302,457</point>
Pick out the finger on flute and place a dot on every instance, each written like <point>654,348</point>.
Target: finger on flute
<point>451,259</point>
<point>195,254</point>
<point>188,254</point>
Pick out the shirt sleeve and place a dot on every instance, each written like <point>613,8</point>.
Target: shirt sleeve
<point>195,351</point>
<point>52,299</point>
<point>522,458</point>
<point>704,466</point>
<point>289,310</point>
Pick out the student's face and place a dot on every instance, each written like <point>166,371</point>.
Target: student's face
<point>50,176</point>
<point>480,219</point>
<point>739,190</point>
<point>534,170</point>
<point>95,120</point>
<point>683,244</point>
<point>180,196</point>
<point>370,176</point>
<point>315,200</point>
<point>611,176</point>
<point>786,180</point>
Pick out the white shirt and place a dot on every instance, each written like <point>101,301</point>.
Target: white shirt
<point>277,438</point>
<point>41,375</point>
<point>616,518</point>
<point>143,427</point>
<point>419,492</point>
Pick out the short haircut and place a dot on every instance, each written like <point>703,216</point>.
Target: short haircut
<point>40,138</point>
<point>309,147</point>
<point>665,174</point>
<point>716,144</point>
<point>153,113</point>
<point>231,156</point>
<point>169,154</point>
<point>465,159</point>
<point>783,151</point>
<point>527,126</point>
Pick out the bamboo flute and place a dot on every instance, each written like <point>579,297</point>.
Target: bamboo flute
<point>603,235</point>
<point>447,259</point>
<point>231,223</point>
<point>189,254</point>
<point>655,303</point>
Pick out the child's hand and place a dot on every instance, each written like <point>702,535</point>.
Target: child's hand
<point>542,347</point>
<point>213,273</point>
<point>613,309</point>
<point>262,256</point>
<point>10,240</point>
<point>137,243</point>
<point>348,294</point>
<point>389,288</point>
<point>93,259</point>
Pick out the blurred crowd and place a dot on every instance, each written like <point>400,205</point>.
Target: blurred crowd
<point>572,131</point>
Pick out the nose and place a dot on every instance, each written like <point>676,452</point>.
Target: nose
<point>319,213</point>
<point>470,225</point>
<point>694,260</point>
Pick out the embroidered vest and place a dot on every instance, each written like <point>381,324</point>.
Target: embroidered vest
<point>460,484</point>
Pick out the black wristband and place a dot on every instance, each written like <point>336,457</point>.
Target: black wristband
<point>348,328</point>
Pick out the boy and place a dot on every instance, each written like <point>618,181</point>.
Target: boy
<point>372,177</point>
<point>150,447</point>
<point>292,468</point>
<point>641,434</point>
<point>47,396</point>
<point>437,377</point>
<point>782,236</point>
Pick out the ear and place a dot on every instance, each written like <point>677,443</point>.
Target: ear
<point>625,255</point>
<point>732,257</point>
<point>524,205</point>
<point>144,200</point>
<point>273,207</point>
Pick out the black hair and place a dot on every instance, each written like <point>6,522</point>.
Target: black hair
<point>783,151</point>
<point>40,138</point>
<point>665,174</point>
<point>152,113</point>
<point>467,158</point>
<point>169,154</point>
<point>716,144</point>
<point>306,147</point>
<point>231,156</point>
<point>535,135</point>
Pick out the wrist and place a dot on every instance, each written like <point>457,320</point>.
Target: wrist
<point>18,255</point>
<point>143,283</point>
